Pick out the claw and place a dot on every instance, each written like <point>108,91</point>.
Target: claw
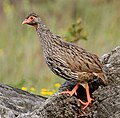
<point>71,92</point>
<point>66,92</point>
<point>89,99</point>
<point>86,103</point>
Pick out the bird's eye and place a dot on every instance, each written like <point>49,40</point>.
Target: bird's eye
<point>31,18</point>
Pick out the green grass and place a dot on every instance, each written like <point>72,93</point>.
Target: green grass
<point>21,59</point>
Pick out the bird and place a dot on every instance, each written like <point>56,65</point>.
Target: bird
<point>66,59</point>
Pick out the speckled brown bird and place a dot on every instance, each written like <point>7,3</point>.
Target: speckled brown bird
<point>67,60</point>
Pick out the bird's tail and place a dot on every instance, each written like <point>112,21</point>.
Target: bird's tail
<point>103,77</point>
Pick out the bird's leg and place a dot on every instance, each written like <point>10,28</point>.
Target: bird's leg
<point>71,92</point>
<point>89,99</point>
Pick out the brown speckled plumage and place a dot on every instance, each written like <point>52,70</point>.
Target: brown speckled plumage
<point>66,59</point>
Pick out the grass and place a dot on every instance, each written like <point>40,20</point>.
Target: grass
<point>21,60</point>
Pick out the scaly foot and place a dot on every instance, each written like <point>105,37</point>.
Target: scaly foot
<point>71,92</point>
<point>86,103</point>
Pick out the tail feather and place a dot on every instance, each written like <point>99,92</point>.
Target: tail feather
<point>103,77</point>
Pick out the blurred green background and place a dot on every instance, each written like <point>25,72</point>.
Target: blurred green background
<point>21,60</point>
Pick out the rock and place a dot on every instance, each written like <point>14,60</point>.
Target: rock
<point>15,103</point>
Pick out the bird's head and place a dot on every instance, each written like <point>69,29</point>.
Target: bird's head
<point>32,19</point>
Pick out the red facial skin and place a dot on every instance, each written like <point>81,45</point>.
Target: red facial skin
<point>29,20</point>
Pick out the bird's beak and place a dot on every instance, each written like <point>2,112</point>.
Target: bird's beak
<point>25,21</point>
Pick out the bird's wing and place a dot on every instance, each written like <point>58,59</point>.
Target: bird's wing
<point>81,61</point>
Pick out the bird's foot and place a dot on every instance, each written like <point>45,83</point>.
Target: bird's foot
<point>86,103</point>
<point>71,92</point>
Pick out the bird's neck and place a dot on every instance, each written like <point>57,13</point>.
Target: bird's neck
<point>46,37</point>
<point>41,31</point>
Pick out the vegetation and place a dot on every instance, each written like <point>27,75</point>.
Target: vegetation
<point>21,61</point>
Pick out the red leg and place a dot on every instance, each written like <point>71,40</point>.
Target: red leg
<point>89,99</point>
<point>71,92</point>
